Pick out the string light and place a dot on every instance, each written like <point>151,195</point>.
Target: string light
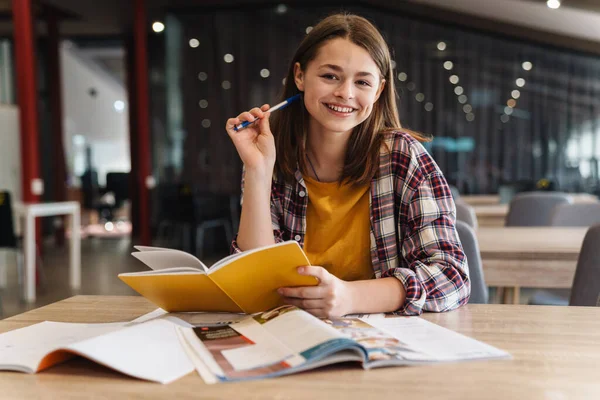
<point>441,46</point>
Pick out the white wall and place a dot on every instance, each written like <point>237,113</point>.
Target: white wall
<point>93,118</point>
<point>10,151</point>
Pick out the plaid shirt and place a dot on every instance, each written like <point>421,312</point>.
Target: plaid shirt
<point>413,237</point>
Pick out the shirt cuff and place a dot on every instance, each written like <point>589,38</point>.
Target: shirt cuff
<point>415,293</point>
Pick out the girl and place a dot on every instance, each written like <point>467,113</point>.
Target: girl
<point>336,172</point>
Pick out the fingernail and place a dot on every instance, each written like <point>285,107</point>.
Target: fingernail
<point>280,291</point>
<point>300,269</point>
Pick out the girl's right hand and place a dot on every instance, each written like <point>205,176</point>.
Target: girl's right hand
<point>255,144</point>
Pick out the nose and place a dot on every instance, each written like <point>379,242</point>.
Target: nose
<point>345,89</point>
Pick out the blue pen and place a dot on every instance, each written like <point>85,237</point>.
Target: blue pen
<point>274,108</point>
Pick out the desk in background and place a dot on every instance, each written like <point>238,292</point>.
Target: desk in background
<point>544,257</point>
<point>28,213</point>
<point>491,199</point>
<point>555,352</point>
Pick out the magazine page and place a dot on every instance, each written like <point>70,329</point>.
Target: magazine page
<point>281,341</point>
<point>429,342</point>
<point>381,347</point>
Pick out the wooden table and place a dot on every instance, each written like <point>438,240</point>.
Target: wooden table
<point>491,214</point>
<point>491,199</point>
<point>556,354</point>
<point>529,257</point>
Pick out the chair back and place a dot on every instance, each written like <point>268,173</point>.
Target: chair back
<point>7,230</point>
<point>534,208</point>
<point>455,192</point>
<point>468,238</point>
<point>466,213</point>
<point>578,214</point>
<point>586,284</point>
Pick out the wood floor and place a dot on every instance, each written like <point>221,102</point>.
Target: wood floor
<point>101,261</point>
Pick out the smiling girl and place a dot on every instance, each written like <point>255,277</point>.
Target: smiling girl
<point>336,172</point>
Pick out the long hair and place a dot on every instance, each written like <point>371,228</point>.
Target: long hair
<point>290,126</point>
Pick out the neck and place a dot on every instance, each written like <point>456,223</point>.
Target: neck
<point>327,152</point>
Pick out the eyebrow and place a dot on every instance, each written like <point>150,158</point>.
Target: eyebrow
<point>340,69</point>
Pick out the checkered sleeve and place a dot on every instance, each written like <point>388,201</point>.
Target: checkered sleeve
<point>276,212</point>
<point>437,276</point>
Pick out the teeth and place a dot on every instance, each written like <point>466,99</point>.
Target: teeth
<point>340,109</point>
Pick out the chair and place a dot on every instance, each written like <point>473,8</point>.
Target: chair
<point>468,238</point>
<point>466,213</point>
<point>586,284</point>
<point>8,239</point>
<point>212,211</point>
<point>455,192</point>
<point>534,208</point>
<point>579,214</point>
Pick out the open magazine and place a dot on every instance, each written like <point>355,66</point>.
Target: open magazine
<point>286,340</point>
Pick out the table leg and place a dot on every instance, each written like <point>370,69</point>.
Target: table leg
<point>516,299</point>
<point>75,250</point>
<point>29,258</point>
<point>3,268</point>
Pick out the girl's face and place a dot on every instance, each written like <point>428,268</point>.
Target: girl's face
<point>340,86</point>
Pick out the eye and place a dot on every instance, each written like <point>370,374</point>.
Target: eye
<point>329,76</point>
<point>364,83</point>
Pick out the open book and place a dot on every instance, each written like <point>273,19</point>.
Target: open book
<point>288,340</point>
<point>149,350</point>
<point>244,282</point>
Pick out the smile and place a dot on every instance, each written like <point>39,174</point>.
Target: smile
<point>340,109</point>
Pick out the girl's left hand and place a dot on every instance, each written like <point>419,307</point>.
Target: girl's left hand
<point>329,299</point>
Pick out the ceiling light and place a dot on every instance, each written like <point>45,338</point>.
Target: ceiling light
<point>553,4</point>
<point>158,27</point>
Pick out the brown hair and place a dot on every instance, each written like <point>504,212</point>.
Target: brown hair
<point>290,125</point>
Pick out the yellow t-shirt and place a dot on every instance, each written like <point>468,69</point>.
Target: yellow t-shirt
<point>338,229</point>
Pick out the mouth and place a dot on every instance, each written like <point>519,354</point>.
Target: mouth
<point>339,110</point>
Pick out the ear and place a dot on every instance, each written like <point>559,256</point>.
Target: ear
<point>380,90</point>
<point>299,76</point>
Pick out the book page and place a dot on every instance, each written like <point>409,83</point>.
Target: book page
<point>165,259</point>
<point>431,342</point>
<point>150,351</point>
<point>23,349</point>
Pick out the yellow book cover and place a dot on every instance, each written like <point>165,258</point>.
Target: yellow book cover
<point>244,282</point>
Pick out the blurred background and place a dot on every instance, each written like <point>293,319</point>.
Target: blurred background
<point>120,107</point>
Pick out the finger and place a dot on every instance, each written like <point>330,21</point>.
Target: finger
<point>246,116</point>
<point>265,107</point>
<point>257,112</point>
<point>302,292</point>
<point>303,303</point>
<point>318,272</point>
<point>264,124</point>
<point>231,122</point>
